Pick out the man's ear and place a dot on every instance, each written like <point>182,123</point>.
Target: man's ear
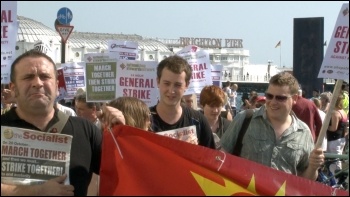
<point>295,98</point>
<point>12,87</point>
<point>58,90</point>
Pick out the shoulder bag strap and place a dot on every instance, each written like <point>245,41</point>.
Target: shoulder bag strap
<point>63,118</point>
<point>245,125</point>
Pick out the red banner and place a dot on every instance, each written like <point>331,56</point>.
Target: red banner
<point>137,162</point>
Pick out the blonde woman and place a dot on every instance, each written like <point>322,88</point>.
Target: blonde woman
<point>337,131</point>
<point>136,112</point>
<point>226,111</point>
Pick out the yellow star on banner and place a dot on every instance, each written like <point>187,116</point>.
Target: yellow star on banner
<point>229,188</point>
<point>282,190</point>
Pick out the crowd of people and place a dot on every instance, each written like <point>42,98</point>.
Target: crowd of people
<point>281,133</point>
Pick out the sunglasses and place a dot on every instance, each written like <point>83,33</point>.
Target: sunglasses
<point>278,98</point>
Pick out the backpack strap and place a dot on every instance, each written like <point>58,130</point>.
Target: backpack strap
<point>58,126</point>
<point>194,118</point>
<point>238,147</point>
<point>194,113</point>
<point>154,126</point>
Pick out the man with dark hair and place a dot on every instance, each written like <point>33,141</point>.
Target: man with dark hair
<point>34,86</point>
<point>173,78</point>
<point>315,94</point>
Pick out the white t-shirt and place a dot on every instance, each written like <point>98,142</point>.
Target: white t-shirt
<point>66,110</point>
<point>324,143</point>
<point>228,93</point>
<point>233,99</point>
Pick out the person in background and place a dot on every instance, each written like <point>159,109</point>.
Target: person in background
<point>87,110</point>
<point>306,111</point>
<point>336,132</point>
<point>315,94</point>
<point>90,111</point>
<point>67,110</point>
<point>136,112</point>
<point>252,93</point>
<point>245,96</point>
<point>233,99</point>
<point>251,104</point>
<point>173,79</point>
<point>226,111</point>
<point>251,101</point>
<point>5,107</point>
<point>317,103</point>
<point>260,101</point>
<point>345,93</point>
<point>190,100</point>
<point>275,136</point>
<point>212,99</point>
<point>227,89</point>
<point>325,98</point>
<point>7,99</point>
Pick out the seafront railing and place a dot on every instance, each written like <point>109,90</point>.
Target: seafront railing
<point>259,78</point>
<point>247,78</point>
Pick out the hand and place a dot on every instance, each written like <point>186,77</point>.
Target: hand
<point>316,158</point>
<point>248,104</point>
<point>111,116</point>
<point>6,97</point>
<point>55,187</point>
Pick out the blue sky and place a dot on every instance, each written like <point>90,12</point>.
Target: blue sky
<point>260,24</point>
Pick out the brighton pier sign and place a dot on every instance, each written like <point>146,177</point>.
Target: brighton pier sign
<point>211,42</point>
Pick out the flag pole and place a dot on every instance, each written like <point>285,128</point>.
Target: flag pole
<point>279,44</point>
<point>280,55</point>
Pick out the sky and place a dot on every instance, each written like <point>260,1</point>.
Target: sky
<point>261,25</point>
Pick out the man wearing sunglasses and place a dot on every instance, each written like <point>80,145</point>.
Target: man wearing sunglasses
<point>275,137</point>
